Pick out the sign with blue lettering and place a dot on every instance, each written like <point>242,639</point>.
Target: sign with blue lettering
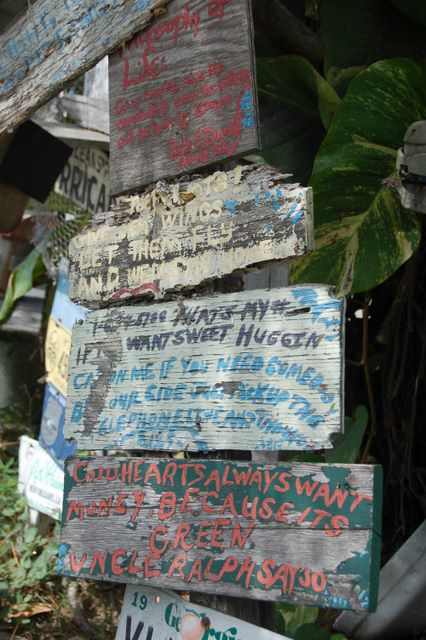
<point>248,370</point>
<point>154,614</point>
<point>51,435</point>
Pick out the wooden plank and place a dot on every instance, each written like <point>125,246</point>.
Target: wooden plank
<point>90,113</point>
<point>85,180</point>
<point>169,616</point>
<point>183,234</point>
<point>249,370</point>
<point>53,43</point>
<point>40,479</point>
<point>76,136</point>
<point>183,94</point>
<point>302,533</point>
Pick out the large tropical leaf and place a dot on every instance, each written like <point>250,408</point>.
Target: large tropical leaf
<point>296,107</point>
<point>357,33</point>
<point>363,234</point>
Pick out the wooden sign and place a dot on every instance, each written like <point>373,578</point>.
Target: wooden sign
<point>302,533</point>
<point>57,349</point>
<point>40,479</point>
<point>51,436</point>
<point>63,315</point>
<point>181,235</point>
<point>182,93</point>
<point>154,614</point>
<point>85,180</point>
<point>248,370</point>
<point>51,43</point>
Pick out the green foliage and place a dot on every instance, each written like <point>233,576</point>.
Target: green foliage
<point>363,234</point>
<point>296,106</point>
<point>300,622</point>
<point>26,558</point>
<point>27,274</point>
<point>357,33</point>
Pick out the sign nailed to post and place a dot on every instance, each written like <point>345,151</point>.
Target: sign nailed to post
<point>169,616</point>
<point>85,180</point>
<point>303,533</point>
<point>189,232</point>
<point>182,93</point>
<point>249,370</point>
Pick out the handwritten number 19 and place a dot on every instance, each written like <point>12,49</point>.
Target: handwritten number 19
<point>143,601</point>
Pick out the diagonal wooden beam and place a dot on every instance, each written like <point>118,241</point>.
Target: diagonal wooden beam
<point>52,43</point>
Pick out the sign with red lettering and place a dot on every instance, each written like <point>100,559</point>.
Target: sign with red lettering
<point>154,614</point>
<point>182,93</point>
<point>247,370</point>
<point>302,533</point>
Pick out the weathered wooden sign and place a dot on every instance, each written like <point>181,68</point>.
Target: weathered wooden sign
<point>40,479</point>
<point>51,43</point>
<point>249,370</point>
<point>182,93</point>
<point>303,533</point>
<point>154,614</point>
<point>180,235</point>
<point>57,349</point>
<point>63,315</point>
<point>85,180</point>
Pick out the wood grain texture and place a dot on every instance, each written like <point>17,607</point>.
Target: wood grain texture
<point>249,370</point>
<point>53,43</point>
<point>179,235</point>
<point>182,93</point>
<point>302,533</point>
<point>88,112</point>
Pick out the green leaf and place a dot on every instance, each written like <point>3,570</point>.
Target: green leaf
<point>296,615</point>
<point>312,632</point>
<point>414,9</point>
<point>346,446</point>
<point>357,33</point>
<point>21,280</point>
<point>296,106</point>
<point>363,234</point>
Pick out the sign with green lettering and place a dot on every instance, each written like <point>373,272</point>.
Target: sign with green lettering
<point>154,614</point>
<point>301,533</point>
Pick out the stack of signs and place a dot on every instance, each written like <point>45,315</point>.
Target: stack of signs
<point>258,370</point>
<point>40,479</point>
<point>63,315</point>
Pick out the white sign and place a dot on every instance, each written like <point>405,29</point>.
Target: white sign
<point>40,479</point>
<point>153,614</point>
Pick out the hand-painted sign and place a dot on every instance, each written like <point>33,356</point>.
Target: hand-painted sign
<point>190,232</point>
<point>303,533</point>
<point>85,180</point>
<point>249,370</point>
<point>53,43</point>
<point>63,315</point>
<point>57,349</point>
<point>182,93</point>
<point>40,480</point>
<point>156,614</point>
<point>51,435</point>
